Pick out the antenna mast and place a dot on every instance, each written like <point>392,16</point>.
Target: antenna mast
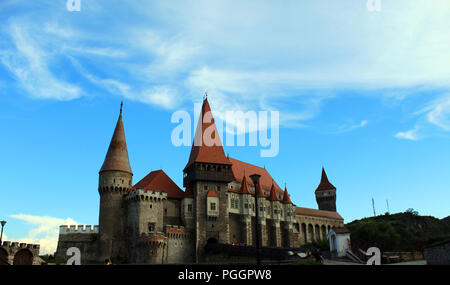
<point>373,206</point>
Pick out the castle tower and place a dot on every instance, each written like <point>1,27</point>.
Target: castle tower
<point>326,194</point>
<point>262,214</point>
<point>115,180</point>
<point>247,200</point>
<point>208,171</point>
<point>289,218</point>
<point>274,226</point>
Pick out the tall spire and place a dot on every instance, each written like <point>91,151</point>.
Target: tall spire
<point>117,156</point>
<point>207,146</point>
<point>324,183</point>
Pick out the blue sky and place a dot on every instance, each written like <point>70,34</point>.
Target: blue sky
<point>365,94</point>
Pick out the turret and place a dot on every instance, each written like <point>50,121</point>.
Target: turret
<point>115,180</point>
<point>207,174</point>
<point>326,194</point>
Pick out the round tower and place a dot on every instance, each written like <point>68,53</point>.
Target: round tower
<point>115,180</point>
<point>326,194</point>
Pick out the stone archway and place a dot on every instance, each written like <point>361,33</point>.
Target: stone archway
<point>311,233</point>
<point>3,257</point>
<point>23,257</point>
<point>324,232</point>
<point>305,237</point>
<point>212,241</point>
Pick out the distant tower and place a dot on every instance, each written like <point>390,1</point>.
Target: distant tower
<point>326,194</point>
<point>207,175</point>
<point>115,180</point>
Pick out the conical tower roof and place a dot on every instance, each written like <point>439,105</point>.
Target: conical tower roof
<point>207,146</point>
<point>117,156</point>
<point>244,186</point>
<point>259,191</point>
<point>324,183</point>
<point>286,198</point>
<point>273,194</point>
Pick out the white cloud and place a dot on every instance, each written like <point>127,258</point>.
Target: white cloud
<point>439,112</point>
<point>45,231</point>
<point>409,135</point>
<point>163,96</point>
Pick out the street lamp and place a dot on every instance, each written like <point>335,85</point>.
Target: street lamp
<point>1,235</point>
<point>255,179</point>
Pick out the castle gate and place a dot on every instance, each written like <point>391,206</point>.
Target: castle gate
<point>23,257</point>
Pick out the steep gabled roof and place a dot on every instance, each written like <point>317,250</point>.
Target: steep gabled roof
<point>207,146</point>
<point>159,180</point>
<point>117,155</point>
<point>241,169</point>
<point>324,183</point>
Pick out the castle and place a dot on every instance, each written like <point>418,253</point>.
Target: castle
<point>154,221</point>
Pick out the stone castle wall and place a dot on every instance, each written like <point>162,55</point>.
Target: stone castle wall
<point>10,251</point>
<point>85,238</point>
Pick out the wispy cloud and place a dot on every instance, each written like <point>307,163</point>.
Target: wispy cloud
<point>29,65</point>
<point>409,135</point>
<point>248,55</point>
<point>45,231</point>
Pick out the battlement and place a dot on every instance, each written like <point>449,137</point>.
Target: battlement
<point>8,244</point>
<point>153,239</point>
<point>146,195</point>
<point>177,232</point>
<point>78,229</point>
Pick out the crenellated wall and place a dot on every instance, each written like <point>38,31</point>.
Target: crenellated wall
<point>85,238</point>
<point>180,245</point>
<point>15,253</point>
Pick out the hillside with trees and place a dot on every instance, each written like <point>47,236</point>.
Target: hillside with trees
<point>406,231</point>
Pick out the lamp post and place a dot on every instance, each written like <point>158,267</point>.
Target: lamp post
<point>255,179</point>
<point>1,235</point>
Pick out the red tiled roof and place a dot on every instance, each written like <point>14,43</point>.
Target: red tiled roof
<point>318,213</point>
<point>244,187</point>
<point>117,155</point>
<point>286,197</point>
<point>273,195</point>
<point>212,193</point>
<point>158,180</point>
<point>202,149</point>
<point>324,183</point>
<point>240,168</point>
